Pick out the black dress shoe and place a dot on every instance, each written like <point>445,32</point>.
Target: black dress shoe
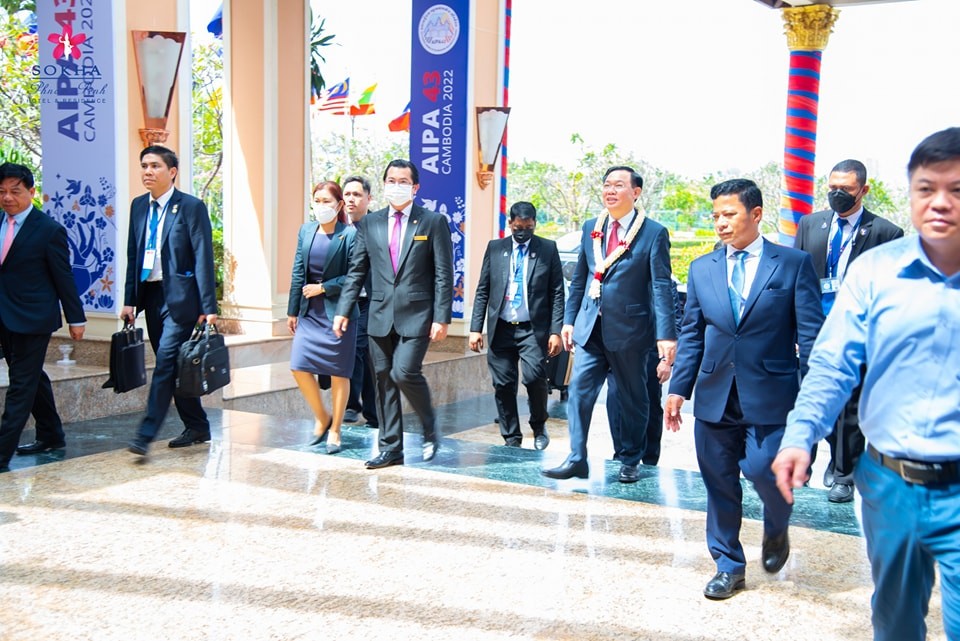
<point>139,446</point>
<point>629,474</point>
<point>385,459</point>
<point>541,441</point>
<point>775,552</point>
<point>828,478</point>
<point>841,493</point>
<point>189,437</point>
<point>38,447</point>
<point>723,585</point>
<point>430,448</point>
<point>568,470</point>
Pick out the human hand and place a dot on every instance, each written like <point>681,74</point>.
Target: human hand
<point>668,350</point>
<point>790,467</point>
<point>663,371</point>
<point>340,325</point>
<point>476,341</point>
<point>292,324</point>
<point>566,335</point>
<point>76,332</point>
<point>554,345</point>
<point>313,289</point>
<point>671,412</point>
<point>128,314</point>
<point>438,332</point>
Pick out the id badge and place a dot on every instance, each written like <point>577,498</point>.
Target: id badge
<point>829,285</point>
<point>149,258</point>
<point>512,290</point>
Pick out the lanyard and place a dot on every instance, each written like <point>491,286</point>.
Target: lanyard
<point>834,264</point>
<point>163,213</point>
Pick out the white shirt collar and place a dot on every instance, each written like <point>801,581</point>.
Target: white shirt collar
<point>753,249</point>
<point>164,198</point>
<point>852,219</point>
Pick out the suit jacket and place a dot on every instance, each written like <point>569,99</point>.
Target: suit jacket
<point>36,279</point>
<point>813,236</point>
<point>544,279</point>
<point>782,311</point>
<point>334,269</point>
<point>421,291</point>
<point>186,257</point>
<point>635,297</point>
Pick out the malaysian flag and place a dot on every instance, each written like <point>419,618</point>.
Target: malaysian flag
<point>334,100</point>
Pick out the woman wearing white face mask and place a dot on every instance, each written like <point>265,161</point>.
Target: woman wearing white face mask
<point>323,257</point>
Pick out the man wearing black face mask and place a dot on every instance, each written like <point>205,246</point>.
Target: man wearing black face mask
<point>521,293</point>
<point>834,238</point>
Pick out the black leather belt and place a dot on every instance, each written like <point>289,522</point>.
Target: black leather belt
<point>919,472</point>
<point>516,323</point>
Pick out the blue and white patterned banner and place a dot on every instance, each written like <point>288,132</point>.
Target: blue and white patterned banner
<point>438,118</point>
<point>75,82</point>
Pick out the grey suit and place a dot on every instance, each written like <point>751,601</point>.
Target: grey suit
<point>403,305</point>
<point>526,342</point>
<point>813,236</point>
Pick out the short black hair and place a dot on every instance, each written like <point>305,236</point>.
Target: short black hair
<point>942,146</point>
<point>636,180</point>
<point>746,190</point>
<point>852,166</point>
<point>168,156</point>
<point>523,210</point>
<point>358,179</point>
<point>403,163</point>
<point>21,173</point>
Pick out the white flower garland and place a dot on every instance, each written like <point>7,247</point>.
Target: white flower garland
<point>598,248</point>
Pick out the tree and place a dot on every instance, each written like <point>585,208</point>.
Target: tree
<point>317,42</point>
<point>20,116</point>
<point>337,156</point>
<point>13,6</point>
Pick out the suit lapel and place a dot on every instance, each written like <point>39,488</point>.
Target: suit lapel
<point>532,255</point>
<point>819,240</point>
<point>23,235</point>
<point>140,225</point>
<point>859,242</point>
<point>170,217</point>
<point>413,226</point>
<point>336,244</point>
<point>718,277</point>
<point>769,262</point>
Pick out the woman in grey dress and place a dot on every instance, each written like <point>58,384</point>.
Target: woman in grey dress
<point>323,256</point>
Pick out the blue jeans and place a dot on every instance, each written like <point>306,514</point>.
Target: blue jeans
<point>908,529</point>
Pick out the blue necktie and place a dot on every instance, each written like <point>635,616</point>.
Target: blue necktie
<point>517,300</point>
<point>833,264</point>
<point>151,236</point>
<point>737,282</point>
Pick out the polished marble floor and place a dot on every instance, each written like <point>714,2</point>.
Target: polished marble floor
<point>255,536</point>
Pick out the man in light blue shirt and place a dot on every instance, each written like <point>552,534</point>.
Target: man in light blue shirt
<point>899,310</point>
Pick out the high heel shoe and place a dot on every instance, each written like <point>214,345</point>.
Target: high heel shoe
<point>333,448</point>
<point>320,438</point>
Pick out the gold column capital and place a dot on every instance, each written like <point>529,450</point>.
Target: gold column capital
<point>808,28</point>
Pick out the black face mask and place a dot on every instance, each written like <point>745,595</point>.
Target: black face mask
<point>522,235</point>
<point>840,201</point>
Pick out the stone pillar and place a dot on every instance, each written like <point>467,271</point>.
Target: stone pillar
<point>265,158</point>
<point>808,29</point>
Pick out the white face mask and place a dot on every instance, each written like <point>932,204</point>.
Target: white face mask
<point>398,194</point>
<point>323,213</point>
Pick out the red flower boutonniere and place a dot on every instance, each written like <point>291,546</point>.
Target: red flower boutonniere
<point>596,234</point>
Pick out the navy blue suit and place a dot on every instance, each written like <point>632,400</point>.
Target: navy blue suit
<point>616,332</point>
<point>746,379</point>
<point>35,280</point>
<point>173,305</point>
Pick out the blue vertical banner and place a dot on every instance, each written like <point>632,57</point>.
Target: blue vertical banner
<point>438,118</point>
<point>74,77</point>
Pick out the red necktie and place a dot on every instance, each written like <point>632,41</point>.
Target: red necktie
<point>614,240</point>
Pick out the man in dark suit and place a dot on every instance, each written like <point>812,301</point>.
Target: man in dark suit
<point>749,306</point>
<point>619,308</point>
<point>521,294</point>
<point>407,252</point>
<point>170,278</point>
<point>362,400</point>
<point>835,238</point>
<point>35,280</point>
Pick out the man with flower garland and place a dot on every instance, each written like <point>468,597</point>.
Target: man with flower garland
<point>620,306</point>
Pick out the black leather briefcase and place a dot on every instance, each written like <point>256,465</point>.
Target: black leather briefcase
<point>204,363</point>
<point>127,368</point>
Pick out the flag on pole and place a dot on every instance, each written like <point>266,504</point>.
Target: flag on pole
<point>364,106</point>
<point>401,122</point>
<point>334,99</point>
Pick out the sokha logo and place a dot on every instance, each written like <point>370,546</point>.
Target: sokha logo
<point>439,29</point>
<point>67,44</point>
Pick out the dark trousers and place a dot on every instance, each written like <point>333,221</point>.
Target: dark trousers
<point>725,449</point>
<point>398,365</point>
<point>29,392</point>
<point>590,367</point>
<point>166,337</point>
<point>512,344</point>
<point>363,396</point>
<point>846,440</point>
<point>651,453</point>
